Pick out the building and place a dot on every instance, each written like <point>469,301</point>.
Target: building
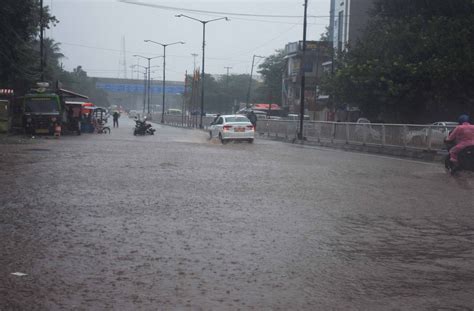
<point>317,53</point>
<point>348,19</point>
<point>129,93</point>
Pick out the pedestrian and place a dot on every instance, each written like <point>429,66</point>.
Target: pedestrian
<point>116,116</point>
<point>253,119</point>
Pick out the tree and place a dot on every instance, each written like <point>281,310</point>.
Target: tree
<point>78,81</point>
<point>272,72</point>
<point>220,93</point>
<point>19,28</point>
<point>414,62</point>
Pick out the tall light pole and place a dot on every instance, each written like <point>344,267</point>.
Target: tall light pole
<point>164,73</point>
<point>148,88</point>
<point>203,55</point>
<point>144,90</point>
<point>300,133</point>
<point>250,80</point>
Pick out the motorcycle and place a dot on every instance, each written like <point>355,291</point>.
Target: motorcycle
<point>465,159</point>
<point>143,128</point>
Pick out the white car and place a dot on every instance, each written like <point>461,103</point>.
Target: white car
<point>232,127</point>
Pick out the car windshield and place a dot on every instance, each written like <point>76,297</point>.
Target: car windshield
<point>236,119</point>
<point>41,105</point>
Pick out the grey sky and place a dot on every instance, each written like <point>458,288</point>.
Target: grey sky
<point>91,30</point>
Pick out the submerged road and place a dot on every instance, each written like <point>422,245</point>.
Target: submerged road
<point>177,222</point>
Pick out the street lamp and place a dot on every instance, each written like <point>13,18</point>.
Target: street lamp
<point>149,59</point>
<point>250,80</point>
<point>203,54</point>
<point>164,73</point>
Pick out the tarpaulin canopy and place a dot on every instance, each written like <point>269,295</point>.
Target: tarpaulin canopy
<point>88,107</point>
<point>67,93</point>
<point>266,106</point>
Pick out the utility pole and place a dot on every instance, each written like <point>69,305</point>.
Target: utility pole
<point>300,133</point>
<point>41,41</point>
<point>227,79</point>
<point>250,80</point>
<point>194,55</point>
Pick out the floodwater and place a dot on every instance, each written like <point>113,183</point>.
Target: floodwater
<point>177,222</point>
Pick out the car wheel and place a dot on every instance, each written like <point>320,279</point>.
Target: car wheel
<point>106,130</point>
<point>223,141</point>
<point>251,141</point>
<point>210,134</point>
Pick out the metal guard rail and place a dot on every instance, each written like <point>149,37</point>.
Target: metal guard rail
<point>405,136</point>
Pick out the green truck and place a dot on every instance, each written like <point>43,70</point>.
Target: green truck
<point>43,108</point>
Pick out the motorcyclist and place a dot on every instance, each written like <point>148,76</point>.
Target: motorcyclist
<point>462,136</point>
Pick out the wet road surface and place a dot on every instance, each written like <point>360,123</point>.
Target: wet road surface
<point>178,222</point>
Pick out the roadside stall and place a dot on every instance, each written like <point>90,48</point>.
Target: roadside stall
<point>73,117</point>
<point>87,119</point>
<point>6,95</point>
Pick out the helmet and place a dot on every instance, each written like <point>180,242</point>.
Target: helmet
<point>463,118</point>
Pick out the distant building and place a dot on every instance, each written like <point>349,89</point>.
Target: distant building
<point>348,19</point>
<point>317,53</point>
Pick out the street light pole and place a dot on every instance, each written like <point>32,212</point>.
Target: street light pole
<point>147,95</point>
<point>203,56</point>
<point>164,74</point>
<point>144,88</point>
<point>250,80</point>
<point>149,87</point>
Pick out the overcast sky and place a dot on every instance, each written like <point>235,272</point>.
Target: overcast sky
<point>91,31</point>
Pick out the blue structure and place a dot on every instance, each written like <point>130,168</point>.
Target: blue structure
<point>138,88</point>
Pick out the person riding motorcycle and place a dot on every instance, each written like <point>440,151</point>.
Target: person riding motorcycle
<point>462,136</point>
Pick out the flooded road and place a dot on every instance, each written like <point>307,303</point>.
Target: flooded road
<point>178,222</point>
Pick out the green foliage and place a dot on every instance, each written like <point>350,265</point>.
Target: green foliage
<point>78,81</point>
<point>221,93</point>
<point>272,72</point>
<point>19,52</point>
<point>413,64</point>
<point>19,28</point>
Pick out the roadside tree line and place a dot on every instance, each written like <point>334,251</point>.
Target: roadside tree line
<point>414,62</point>
<point>20,52</point>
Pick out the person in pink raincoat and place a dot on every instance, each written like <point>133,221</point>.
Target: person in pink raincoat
<point>462,136</point>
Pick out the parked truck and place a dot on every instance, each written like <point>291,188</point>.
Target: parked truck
<point>44,108</point>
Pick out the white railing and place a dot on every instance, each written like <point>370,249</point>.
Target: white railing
<point>405,136</point>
